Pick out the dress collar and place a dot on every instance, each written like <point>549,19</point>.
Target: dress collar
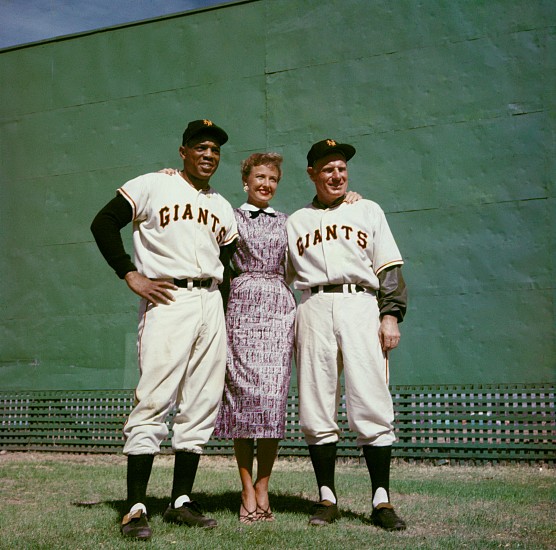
<point>251,208</point>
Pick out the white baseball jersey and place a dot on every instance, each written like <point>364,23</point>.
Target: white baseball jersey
<point>351,243</point>
<point>177,230</point>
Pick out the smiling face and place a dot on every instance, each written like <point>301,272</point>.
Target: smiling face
<point>201,158</point>
<point>330,176</point>
<point>261,184</point>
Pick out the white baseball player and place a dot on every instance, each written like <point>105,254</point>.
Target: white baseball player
<point>180,225</point>
<point>345,260</point>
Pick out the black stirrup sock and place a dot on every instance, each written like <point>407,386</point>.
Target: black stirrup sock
<point>185,470</point>
<point>323,458</point>
<point>378,464</point>
<point>138,473</point>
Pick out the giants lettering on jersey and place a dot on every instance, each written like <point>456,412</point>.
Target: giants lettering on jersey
<point>185,212</point>
<point>332,232</point>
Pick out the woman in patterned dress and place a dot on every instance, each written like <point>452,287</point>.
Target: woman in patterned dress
<point>260,316</point>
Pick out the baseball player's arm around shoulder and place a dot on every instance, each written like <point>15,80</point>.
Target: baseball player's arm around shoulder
<point>155,291</point>
<point>226,253</point>
<point>167,171</point>
<point>290,270</point>
<point>352,197</point>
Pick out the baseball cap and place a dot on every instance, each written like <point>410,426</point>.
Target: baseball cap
<point>204,126</point>
<point>326,147</point>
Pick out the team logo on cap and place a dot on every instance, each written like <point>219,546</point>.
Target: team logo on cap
<point>207,122</point>
<point>330,143</point>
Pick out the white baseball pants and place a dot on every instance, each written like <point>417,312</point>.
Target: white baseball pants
<point>335,333</point>
<point>182,361</point>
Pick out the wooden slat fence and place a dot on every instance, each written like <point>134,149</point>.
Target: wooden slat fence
<point>480,423</point>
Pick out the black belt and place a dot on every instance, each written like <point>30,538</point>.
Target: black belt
<point>203,283</point>
<point>336,288</point>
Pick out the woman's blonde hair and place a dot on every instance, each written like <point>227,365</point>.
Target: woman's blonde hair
<point>260,159</point>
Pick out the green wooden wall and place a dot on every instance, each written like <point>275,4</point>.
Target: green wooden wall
<point>450,103</point>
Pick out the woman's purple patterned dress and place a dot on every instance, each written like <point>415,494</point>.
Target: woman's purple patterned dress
<point>259,323</point>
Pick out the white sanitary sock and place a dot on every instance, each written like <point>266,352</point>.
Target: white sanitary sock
<point>180,501</point>
<point>327,494</point>
<point>380,496</point>
<point>138,506</point>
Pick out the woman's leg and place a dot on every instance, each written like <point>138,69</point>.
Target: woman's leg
<point>266,455</point>
<point>244,452</point>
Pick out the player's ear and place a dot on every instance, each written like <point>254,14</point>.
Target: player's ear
<point>311,172</point>
<point>183,151</point>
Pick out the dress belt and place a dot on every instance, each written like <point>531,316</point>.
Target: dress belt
<point>348,287</point>
<point>190,283</point>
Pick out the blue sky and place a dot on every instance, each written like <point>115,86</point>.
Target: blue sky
<point>24,21</point>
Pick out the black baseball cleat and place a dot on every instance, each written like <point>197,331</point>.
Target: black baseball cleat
<point>188,514</point>
<point>135,526</point>
<point>324,513</point>
<point>385,517</point>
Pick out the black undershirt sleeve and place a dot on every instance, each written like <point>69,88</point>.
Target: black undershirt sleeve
<point>392,295</point>
<point>226,253</point>
<point>106,229</point>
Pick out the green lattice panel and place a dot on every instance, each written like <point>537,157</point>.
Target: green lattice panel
<point>478,423</point>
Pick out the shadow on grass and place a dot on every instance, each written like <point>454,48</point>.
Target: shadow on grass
<point>226,502</point>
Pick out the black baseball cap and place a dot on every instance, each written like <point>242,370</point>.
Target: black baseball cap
<point>327,147</point>
<point>204,126</point>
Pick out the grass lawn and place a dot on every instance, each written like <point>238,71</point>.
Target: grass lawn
<point>66,501</point>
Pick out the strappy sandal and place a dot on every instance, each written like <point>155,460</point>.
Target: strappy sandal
<point>264,514</point>
<point>249,517</point>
